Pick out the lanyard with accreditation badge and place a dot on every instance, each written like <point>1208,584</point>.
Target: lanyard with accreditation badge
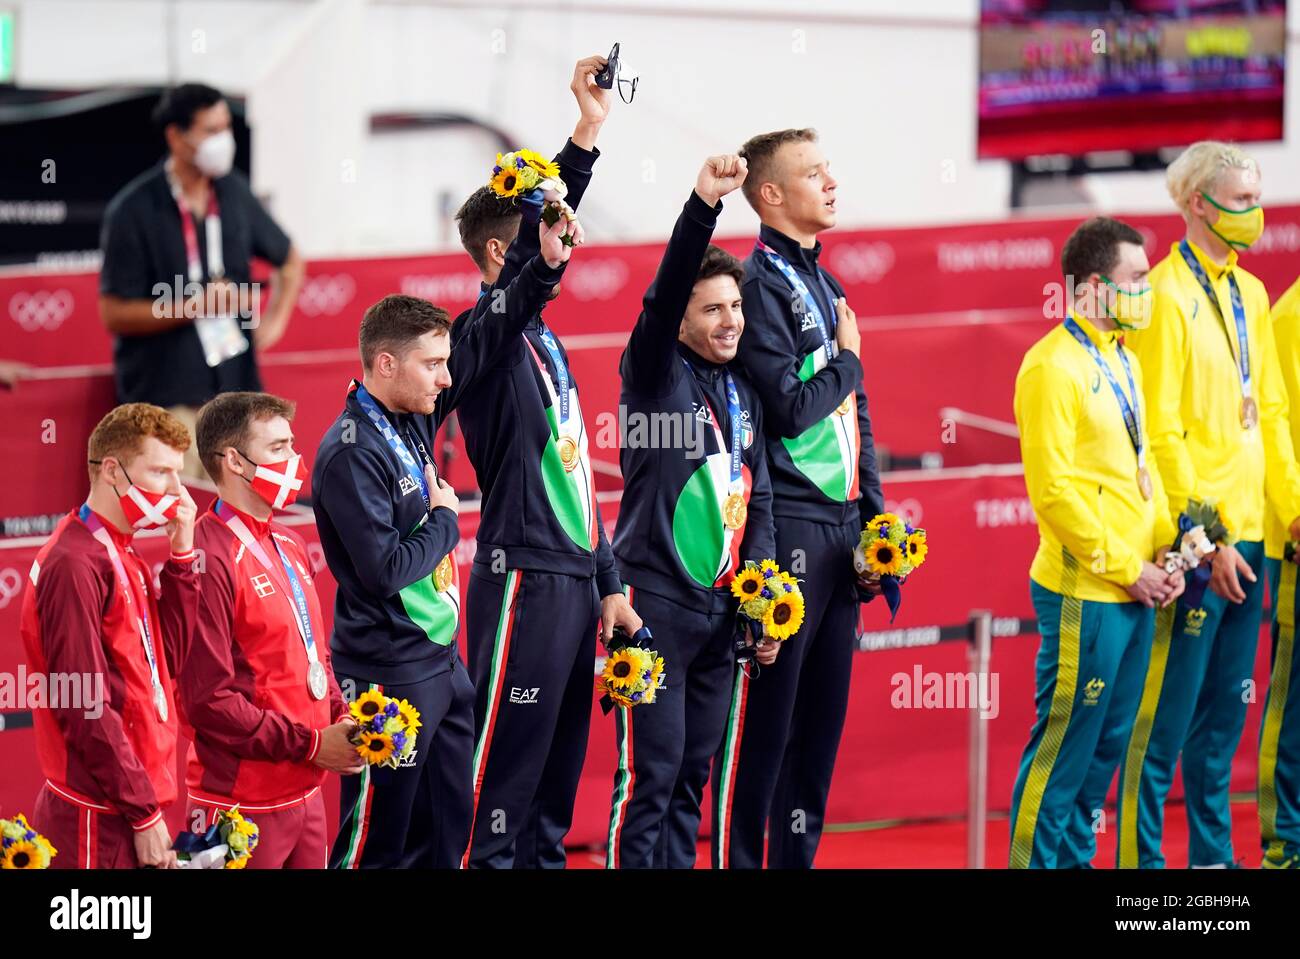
<point>219,336</point>
<point>1129,409</point>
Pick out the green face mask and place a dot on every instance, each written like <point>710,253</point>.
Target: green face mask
<point>1130,311</point>
<point>1237,228</point>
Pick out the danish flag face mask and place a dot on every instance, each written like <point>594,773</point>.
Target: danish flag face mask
<point>146,510</point>
<point>278,483</point>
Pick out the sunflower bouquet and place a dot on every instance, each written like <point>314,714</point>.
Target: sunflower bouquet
<point>386,728</point>
<point>22,847</point>
<point>890,548</point>
<point>528,175</point>
<point>226,844</point>
<point>769,597</point>
<point>632,672</point>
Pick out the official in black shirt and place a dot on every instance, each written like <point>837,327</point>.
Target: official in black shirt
<point>175,287</point>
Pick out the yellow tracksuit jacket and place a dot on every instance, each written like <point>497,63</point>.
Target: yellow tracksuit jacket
<point>1193,395</point>
<point>1081,469</point>
<point>1286,332</point>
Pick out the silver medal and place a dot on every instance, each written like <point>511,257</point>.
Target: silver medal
<point>317,681</point>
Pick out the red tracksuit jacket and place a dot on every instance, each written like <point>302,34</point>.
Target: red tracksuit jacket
<point>243,678</point>
<point>75,620</point>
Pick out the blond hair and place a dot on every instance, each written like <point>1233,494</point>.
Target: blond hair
<point>1198,168</point>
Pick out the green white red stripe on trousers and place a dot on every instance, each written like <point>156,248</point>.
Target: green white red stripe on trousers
<point>624,777</point>
<point>359,817</point>
<point>496,684</point>
<point>730,766</point>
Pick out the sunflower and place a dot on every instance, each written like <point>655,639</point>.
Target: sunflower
<point>784,617</point>
<point>747,584</point>
<point>237,863</point>
<point>410,715</point>
<point>24,854</point>
<point>767,564</point>
<point>622,670</point>
<point>884,558</point>
<point>656,671</point>
<point>375,747</point>
<point>367,706</point>
<point>506,182</point>
<point>789,581</point>
<point>539,163</point>
<point>882,522</point>
<point>916,548</point>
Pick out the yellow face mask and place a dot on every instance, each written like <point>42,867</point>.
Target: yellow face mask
<point>1130,311</point>
<point>1237,228</point>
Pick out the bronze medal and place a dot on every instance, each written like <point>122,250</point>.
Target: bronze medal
<point>1249,413</point>
<point>1144,483</point>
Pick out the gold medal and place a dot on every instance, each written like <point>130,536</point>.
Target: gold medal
<point>1144,483</point>
<point>734,511</point>
<point>1249,413</point>
<point>442,576</point>
<point>568,453</point>
<point>843,408</point>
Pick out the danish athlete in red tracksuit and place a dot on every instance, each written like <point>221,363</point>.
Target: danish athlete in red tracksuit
<point>92,611</point>
<point>263,737</point>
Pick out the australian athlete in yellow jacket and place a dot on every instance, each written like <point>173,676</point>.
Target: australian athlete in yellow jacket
<point>1218,420</point>
<point>1104,522</point>
<point>1279,736</point>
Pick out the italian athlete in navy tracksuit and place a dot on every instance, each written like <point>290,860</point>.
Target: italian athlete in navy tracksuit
<point>775,764</point>
<point>691,515</point>
<point>388,529</point>
<point>543,572</point>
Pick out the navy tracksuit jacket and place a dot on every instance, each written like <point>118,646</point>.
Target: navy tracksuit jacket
<point>773,771</point>
<point>678,557</point>
<point>394,627</point>
<point>541,567</point>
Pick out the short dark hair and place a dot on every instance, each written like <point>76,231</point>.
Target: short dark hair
<point>718,262</point>
<point>179,104</point>
<point>392,324</point>
<point>760,154</point>
<point>1093,247</point>
<point>485,216</point>
<point>223,421</point>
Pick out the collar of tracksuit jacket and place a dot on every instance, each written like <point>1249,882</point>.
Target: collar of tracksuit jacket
<point>814,474</point>
<point>668,540</point>
<point>391,624</point>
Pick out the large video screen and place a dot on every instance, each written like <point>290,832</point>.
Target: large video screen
<point>1078,76</point>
